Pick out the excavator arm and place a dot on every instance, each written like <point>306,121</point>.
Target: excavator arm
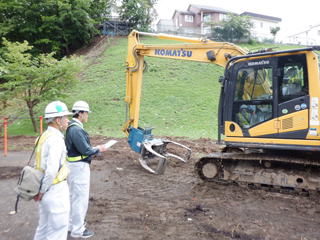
<point>191,49</point>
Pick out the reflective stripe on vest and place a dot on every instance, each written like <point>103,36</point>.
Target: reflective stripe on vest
<point>78,158</point>
<point>74,159</point>
<point>63,171</point>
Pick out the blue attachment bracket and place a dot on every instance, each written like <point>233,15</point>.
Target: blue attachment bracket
<point>142,141</point>
<point>138,136</point>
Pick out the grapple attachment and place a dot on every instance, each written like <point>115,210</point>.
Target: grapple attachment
<point>153,152</point>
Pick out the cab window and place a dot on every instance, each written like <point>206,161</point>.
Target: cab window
<point>253,96</point>
<point>293,79</point>
<point>254,83</point>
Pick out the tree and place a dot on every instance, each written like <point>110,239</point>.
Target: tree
<point>52,25</point>
<point>139,12</point>
<point>234,27</point>
<point>36,79</point>
<point>274,32</point>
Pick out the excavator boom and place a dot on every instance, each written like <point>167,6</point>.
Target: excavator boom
<point>192,49</point>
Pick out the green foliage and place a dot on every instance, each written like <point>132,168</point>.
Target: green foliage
<point>268,40</point>
<point>252,41</point>
<point>139,12</point>
<point>274,32</point>
<point>36,79</point>
<point>51,25</point>
<point>234,27</point>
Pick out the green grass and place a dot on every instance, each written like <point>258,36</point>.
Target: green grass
<point>179,98</point>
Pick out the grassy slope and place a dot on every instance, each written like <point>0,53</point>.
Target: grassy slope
<point>179,98</point>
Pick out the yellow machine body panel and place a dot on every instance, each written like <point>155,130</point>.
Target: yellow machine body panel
<point>263,129</point>
<point>294,122</point>
<point>237,132</point>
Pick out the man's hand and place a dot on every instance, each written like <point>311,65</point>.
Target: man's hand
<point>38,197</point>
<point>102,148</point>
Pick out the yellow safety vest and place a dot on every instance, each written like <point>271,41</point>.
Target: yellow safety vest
<point>243,119</point>
<point>78,158</point>
<point>64,170</point>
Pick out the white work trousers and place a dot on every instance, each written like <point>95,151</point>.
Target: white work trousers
<point>54,210</point>
<point>79,186</point>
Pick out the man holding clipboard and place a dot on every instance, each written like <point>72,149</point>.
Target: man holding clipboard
<point>79,158</point>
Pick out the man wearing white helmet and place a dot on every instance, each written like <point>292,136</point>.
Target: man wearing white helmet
<point>243,118</point>
<point>53,194</point>
<point>79,158</point>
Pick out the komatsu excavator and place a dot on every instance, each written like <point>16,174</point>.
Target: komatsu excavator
<point>268,113</point>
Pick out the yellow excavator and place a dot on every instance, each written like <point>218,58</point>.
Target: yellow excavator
<point>268,113</point>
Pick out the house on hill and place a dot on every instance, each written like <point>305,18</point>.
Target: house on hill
<point>196,19</point>
<point>199,19</point>
<point>262,25</point>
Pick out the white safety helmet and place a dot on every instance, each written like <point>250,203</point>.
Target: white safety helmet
<point>56,109</point>
<point>81,106</point>
<point>243,106</point>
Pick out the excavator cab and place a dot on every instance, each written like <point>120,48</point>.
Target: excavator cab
<point>275,90</point>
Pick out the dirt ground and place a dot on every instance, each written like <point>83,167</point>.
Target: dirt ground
<point>127,202</point>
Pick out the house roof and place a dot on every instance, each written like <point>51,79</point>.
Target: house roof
<point>256,15</point>
<point>211,9</point>
<point>185,12</point>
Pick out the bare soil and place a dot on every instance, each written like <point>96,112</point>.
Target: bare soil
<point>127,202</point>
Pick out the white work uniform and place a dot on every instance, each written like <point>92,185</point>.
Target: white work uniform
<point>79,185</point>
<point>54,206</point>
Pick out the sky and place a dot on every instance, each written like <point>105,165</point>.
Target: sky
<point>294,14</point>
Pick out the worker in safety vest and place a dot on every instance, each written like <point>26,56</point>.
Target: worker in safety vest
<point>79,158</point>
<point>243,117</point>
<point>53,195</point>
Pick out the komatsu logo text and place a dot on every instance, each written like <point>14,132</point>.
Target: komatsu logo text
<point>173,53</point>
<point>262,62</point>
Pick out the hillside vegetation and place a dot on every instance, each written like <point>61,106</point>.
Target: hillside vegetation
<point>179,98</point>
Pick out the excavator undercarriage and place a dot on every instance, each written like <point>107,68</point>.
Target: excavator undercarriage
<point>288,171</point>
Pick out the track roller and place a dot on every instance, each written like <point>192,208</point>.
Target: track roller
<point>209,169</point>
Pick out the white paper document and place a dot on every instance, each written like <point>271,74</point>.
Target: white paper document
<point>110,143</point>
